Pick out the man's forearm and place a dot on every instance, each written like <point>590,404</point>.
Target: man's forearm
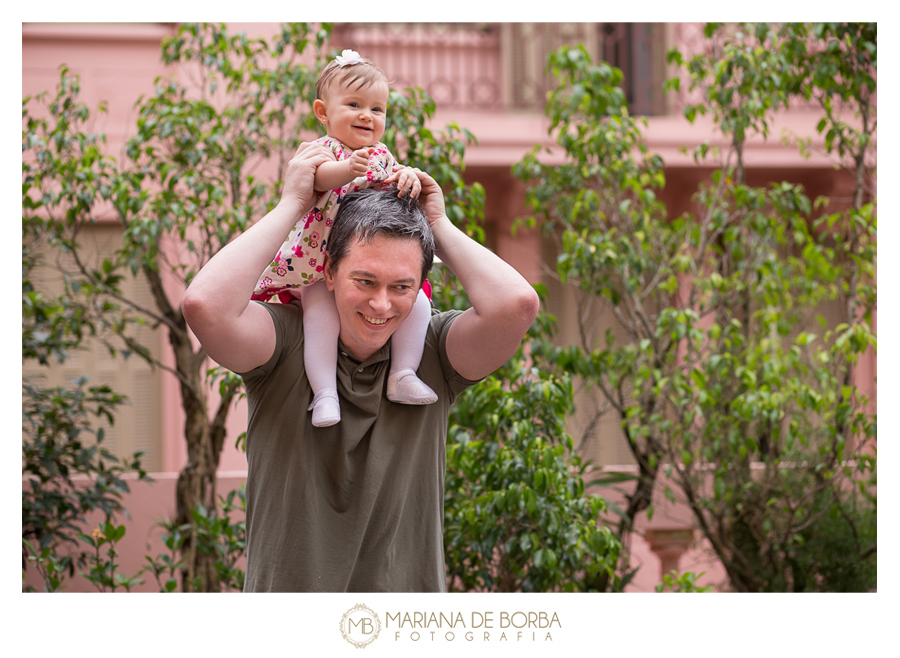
<point>227,281</point>
<point>504,304</point>
<point>494,287</point>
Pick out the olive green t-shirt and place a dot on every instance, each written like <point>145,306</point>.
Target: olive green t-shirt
<point>358,506</point>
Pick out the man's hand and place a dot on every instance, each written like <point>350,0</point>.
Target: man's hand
<point>298,194</point>
<point>431,199</point>
<point>406,180</point>
<point>358,163</point>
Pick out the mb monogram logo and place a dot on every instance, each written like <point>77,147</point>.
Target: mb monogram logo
<point>360,626</point>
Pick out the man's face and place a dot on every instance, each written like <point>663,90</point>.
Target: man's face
<point>375,287</point>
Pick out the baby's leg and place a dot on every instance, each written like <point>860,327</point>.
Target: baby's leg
<point>407,346</point>
<point>321,328</point>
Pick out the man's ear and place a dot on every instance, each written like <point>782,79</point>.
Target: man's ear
<point>320,111</point>
<point>329,275</point>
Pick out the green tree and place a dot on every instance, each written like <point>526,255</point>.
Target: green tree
<point>516,515</point>
<point>797,412</point>
<point>189,181</point>
<point>602,205</point>
<point>714,368</point>
<point>62,440</point>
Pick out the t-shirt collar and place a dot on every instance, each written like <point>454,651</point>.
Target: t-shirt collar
<point>382,354</point>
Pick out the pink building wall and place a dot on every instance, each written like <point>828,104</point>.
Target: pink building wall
<point>118,63</point>
<point>148,504</point>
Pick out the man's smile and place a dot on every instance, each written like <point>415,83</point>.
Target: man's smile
<point>374,320</point>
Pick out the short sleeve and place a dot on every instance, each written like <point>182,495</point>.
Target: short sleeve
<point>288,321</point>
<point>438,330</point>
<point>381,164</point>
<point>336,147</point>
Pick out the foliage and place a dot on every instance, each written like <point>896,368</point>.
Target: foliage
<point>67,182</point>
<point>602,203</point>
<point>67,470</point>
<point>102,571</point>
<point>716,361</point>
<point>220,533</point>
<point>438,152</point>
<point>223,538</point>
<point>744,79</point>
<point>817,402</point>
<point>681,583</point>
<point>51,567</point>
<point>166,567</point>
<point>828,554</point>
<point>201,136</point>
<point>516,516</point>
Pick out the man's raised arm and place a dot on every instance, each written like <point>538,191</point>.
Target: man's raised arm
<point>236,333</point>
<point>504,304</point>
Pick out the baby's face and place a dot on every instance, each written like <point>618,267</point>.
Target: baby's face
<point>356,116</point>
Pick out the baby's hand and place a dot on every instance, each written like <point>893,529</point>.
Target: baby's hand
<point>406,180</point>
<point>359,162</point>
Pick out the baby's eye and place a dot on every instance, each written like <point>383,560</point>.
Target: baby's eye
<point>377,109</point>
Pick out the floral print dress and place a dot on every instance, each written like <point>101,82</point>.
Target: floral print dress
<point>300,261</point>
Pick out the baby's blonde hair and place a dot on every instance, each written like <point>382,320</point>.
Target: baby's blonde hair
<point>363,71</point>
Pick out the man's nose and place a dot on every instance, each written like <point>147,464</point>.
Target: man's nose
<point>379,301</point>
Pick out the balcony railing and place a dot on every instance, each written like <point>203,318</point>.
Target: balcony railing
<point>500,67</point>
<point>458,64</point>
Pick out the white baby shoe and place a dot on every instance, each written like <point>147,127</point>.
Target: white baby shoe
<point>406,388</point>
<point>326,409</point>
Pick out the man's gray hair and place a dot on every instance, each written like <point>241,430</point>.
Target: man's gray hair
<point>366,213</point>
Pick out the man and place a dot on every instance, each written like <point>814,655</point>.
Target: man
<point>357,506</point>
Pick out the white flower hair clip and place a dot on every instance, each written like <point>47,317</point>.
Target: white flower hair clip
<point>348,57</point>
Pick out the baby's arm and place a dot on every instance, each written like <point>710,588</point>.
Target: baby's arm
<point>332,175</point>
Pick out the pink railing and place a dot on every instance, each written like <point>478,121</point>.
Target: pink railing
<point>458,64</point>
<point>500,67</point>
